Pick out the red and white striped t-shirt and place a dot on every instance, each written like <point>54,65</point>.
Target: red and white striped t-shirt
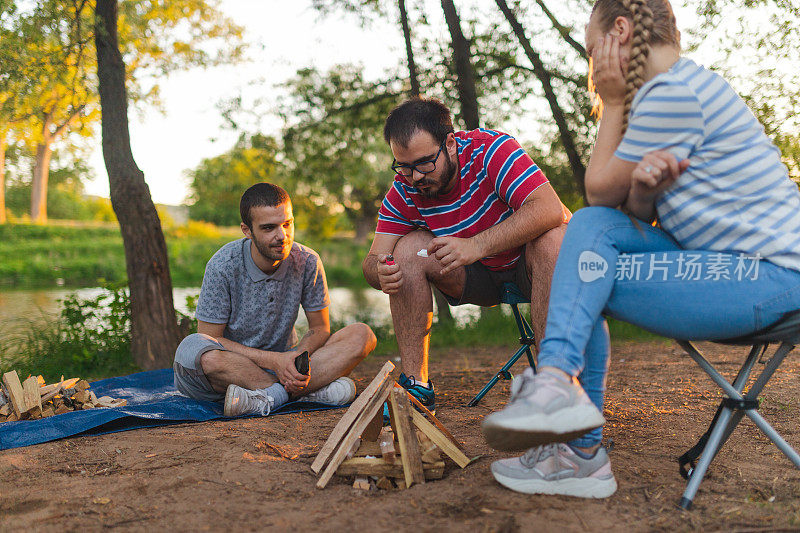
<point>496,176</point>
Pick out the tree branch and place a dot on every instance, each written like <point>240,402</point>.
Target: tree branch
<point>563,30</point>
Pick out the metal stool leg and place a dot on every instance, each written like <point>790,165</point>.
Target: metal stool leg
<point>729,418</point>
<point>502,374</point>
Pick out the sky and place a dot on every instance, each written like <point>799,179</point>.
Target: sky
<point>285,35</point>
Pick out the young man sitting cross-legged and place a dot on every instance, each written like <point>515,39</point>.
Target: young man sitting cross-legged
<point>246,345</point>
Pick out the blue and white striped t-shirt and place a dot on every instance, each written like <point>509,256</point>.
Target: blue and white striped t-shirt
<point>736,195</point>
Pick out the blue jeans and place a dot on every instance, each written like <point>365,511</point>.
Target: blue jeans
<point>639,274</point>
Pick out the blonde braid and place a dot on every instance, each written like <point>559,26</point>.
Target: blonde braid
<point>642,17</point>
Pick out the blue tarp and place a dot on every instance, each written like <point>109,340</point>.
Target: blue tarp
<point>152,401</point>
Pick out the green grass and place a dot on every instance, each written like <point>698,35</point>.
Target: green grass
<point>34,256</point>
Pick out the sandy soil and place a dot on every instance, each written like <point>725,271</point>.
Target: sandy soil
<point>253,474</point>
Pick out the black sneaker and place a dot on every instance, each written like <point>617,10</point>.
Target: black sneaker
<point>425,395</point>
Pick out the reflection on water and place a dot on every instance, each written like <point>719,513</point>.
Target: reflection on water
<point>347,305</point>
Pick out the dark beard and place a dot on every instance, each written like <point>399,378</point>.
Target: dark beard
<point>450,171</point>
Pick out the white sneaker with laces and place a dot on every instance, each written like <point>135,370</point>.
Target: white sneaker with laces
<point>340,391</point>
<point>241,401</point>
<point>543,409</point>
<point>557,469</point>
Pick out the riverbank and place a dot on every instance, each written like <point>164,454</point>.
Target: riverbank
<point>78,256</point>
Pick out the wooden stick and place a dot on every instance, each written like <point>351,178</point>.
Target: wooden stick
<point>30,391</point>
<point>435,420</point>
<point>369,466</point>
<point>14,392</point>
<point>355,431</point>
<point>350,416</point>
<point>439,439</point>
<point>409,447</point>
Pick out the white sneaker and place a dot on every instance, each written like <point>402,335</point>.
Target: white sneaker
<point>543,409</point>
<point>340,391</point>
<point>557,469</point>
<point>241,401</point>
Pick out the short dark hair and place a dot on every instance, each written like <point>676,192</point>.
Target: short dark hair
<point>426,114</point>
<point>261,194</point>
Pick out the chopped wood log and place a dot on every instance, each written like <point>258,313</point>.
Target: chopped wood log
<point>361,483</point>
<point>82,385</point>
<point>386,444</point>
<point>30,391</point>
<point>92,397</point>
<point>369,466</point>
<point>384,483</point>
<point>434,420</point>
<point>40,380</point>
<point>374,427</point>
<point>35,413</point>
<point>5,409</point>
<point>48,411</point>
<point>440,439</point>
<point>355,430</point>
<point>350,417</point>
<point>401,485</point>
<point>14,392</point>
<point>13,417</point>
<point>62,409</point>
<point>81,396</point>
<point>52,394</point>
<point>372,448</point>
<point>353,448</point>
<point>406,438</point>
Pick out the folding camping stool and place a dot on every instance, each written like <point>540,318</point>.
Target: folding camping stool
<point>512,296</point>
<point>737,403</point>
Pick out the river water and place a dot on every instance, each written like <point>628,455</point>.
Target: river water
<point>347,305</point>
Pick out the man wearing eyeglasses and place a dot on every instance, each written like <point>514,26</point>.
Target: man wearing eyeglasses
<point>468,211</point>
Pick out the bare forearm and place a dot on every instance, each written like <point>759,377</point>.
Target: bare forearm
<point>313,340</point>
<point>603,189</point>
<point>526,224</point>
<point>262,358</point>
<point>370,268</point>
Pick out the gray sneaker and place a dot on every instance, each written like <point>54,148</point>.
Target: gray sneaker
<point>557,469</point>
<point>542,409</point>
<point>241,401</point>
<point>340,391</point>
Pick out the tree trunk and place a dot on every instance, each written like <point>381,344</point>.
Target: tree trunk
<point>154,328</point>
<point>412,66</point>
<point>3,146</point>
<point>41,174</point>
<point>467,91</point>
<point>575,162</point>
<point>364,224</point>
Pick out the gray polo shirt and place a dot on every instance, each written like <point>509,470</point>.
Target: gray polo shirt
<point>260,309</point>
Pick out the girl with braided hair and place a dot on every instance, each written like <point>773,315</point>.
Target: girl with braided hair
<point>677,146</point>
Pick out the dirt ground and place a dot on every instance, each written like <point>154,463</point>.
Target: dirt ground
<point>254,475</point>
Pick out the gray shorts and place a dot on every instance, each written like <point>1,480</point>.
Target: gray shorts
<point>189,377</point>
<point>483,286</point>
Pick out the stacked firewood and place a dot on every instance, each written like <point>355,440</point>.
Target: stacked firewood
<point>408,451</point>
<point>33,398</point>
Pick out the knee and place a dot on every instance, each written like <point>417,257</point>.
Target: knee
<point>591,218</point>
<point>212,362</point>
<point>405,251</point>
<point>364,337</point>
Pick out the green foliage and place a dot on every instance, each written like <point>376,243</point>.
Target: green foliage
<point>89,339</point>
<point>334,150</point>
<point>218,182</point>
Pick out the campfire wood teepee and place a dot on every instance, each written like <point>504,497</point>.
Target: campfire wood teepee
<point>360,445</point>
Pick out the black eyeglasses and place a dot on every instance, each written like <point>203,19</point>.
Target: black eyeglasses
<point>423,167</point>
